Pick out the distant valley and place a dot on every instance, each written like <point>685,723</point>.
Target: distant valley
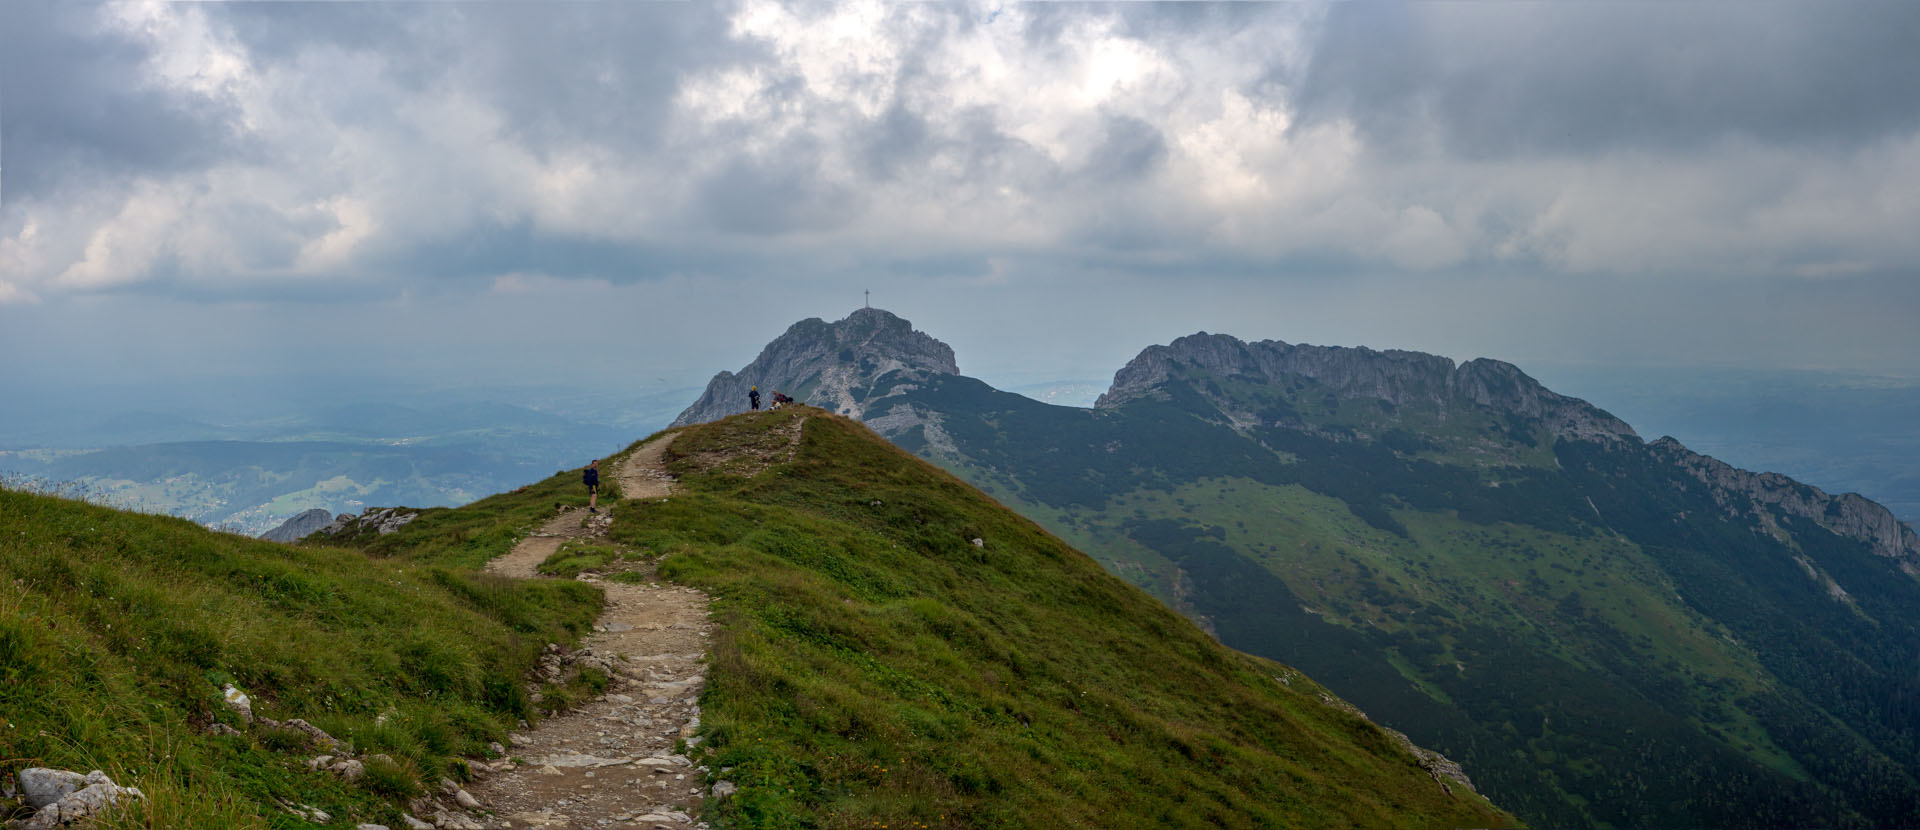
<point>251,473</point>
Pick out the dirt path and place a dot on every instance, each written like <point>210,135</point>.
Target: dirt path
<point>611,763</point>
<point>644,474</point>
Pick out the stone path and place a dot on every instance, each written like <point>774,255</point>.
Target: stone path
<point>611,763</point>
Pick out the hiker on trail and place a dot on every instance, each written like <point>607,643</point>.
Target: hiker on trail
<point>753,397</point>
<point>591,477</point>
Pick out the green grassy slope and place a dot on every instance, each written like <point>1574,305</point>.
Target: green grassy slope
<point>876,668</point>
<point>1668,665</point>
<point>117,629</point>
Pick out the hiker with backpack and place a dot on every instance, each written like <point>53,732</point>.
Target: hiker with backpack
<point>591,477</point>
<point>753,397</point>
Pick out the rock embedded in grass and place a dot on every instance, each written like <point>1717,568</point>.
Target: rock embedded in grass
<point>237,701</point>
<point>66,797</point>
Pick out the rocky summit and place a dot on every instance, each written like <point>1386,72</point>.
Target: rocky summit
<point>1399,378</point>
<point>841,366</point>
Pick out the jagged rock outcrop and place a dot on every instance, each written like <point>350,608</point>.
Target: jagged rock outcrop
<point>1398,377</point>
<point>381,520</point>
<point>1850,514</point>
<point>839,366</point>
<point>297,528</point>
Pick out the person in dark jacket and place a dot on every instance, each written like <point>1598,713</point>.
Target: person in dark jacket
<point>753,397</point>
<point>591,477</point>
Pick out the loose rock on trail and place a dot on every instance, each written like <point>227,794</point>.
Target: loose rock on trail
<point>610,763</point>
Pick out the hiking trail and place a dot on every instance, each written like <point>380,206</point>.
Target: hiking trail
<point>610,763</point>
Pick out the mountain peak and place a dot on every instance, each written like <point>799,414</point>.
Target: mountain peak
<point>838,366</point>
<point>1399,378</point>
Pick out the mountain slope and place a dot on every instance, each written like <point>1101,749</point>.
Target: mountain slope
<point>1510,579</point>
<point>117,630</point>
<point>1509,575</point>
<point>880,666</point>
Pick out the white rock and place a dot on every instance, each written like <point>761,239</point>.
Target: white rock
<point>237,701</point>
<point>43,786</point>
<point>99,794</point>
<point>369,827</point>
<point>979,543</point>
<point>414,823</point>
<point>466,799</point>
<point>308,812</point>
<point>722,789</point>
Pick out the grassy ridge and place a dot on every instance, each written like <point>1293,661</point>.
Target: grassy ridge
<point>877,668</point>
<point>116,630</point>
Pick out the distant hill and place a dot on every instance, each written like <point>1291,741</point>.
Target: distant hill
<point>1604,631</point>
<point>337,458</point>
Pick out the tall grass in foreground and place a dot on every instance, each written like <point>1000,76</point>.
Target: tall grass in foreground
<point>117,629</point>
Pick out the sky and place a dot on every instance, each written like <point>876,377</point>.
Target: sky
<point>634,193</point>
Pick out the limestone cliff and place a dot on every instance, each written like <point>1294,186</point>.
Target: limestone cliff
<point>839,366</point>
<point>1399,378</point>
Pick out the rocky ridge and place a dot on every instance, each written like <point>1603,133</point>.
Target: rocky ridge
<point>840,366</point>
<point>1400,378</point>
<point>1850,514</point>
<point>379,520</point>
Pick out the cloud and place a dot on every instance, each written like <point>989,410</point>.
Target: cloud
<point>1498,81</point>
<point>297,152</point>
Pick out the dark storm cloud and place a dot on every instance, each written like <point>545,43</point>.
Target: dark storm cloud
<point>1130,149</point>
<point>1491,80</point>
<point>74,104</point>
